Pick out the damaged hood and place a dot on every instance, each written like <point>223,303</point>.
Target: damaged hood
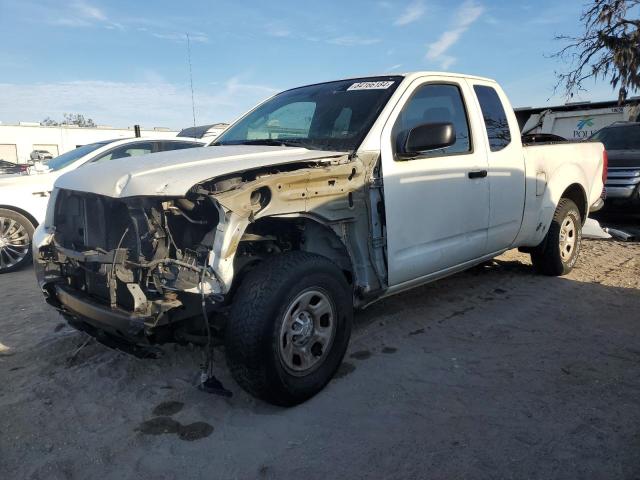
<point>173,173</point>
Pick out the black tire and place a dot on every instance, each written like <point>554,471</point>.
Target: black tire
<point>547,258</point>
<point>253,334</point>
<point>14,227</point>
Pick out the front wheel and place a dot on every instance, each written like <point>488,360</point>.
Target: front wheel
<point>16,232</point>
<point>558,253</point>
<point>289,327</point>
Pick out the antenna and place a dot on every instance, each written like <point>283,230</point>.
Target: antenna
<point>193,104</point>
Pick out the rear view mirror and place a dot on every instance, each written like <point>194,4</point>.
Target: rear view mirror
<point>429,136</point>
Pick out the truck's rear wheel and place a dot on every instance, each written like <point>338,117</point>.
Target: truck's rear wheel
<point>289,327</point>
<point>558,253</point>
<point>16,232</point>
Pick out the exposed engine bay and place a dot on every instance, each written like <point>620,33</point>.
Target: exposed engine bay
<point>160,264</point>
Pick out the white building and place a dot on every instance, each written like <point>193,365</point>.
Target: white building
<point>577,121</point>
<point>18,141</point>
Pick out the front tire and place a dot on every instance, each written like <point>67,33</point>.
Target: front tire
<point>559,251</point>
<point>16,233</point>
<point>289,327</point>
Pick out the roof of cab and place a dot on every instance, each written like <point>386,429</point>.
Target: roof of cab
<point>406,76</point>
<point>445,74</point>
<point>417,74</point>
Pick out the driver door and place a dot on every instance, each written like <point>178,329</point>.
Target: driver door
<point>436,203</point>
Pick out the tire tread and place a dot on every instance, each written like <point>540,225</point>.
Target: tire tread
<point>255,300</point>
<point>546,257</point>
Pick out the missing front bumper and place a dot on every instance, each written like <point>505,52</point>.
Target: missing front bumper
<point>128,326</point>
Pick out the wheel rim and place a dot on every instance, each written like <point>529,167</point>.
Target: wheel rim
<point>568,238</point>
<point>14,242</point>
<point>307,332</point>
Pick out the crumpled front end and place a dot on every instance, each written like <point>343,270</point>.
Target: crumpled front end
<point>134,268</point>
<point>146,268</point>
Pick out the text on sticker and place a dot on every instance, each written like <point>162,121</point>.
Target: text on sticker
<point>371,85</point>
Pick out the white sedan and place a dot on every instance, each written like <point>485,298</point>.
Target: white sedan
<point>23,198</point>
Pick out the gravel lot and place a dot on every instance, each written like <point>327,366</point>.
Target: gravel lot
<point>493,373</point>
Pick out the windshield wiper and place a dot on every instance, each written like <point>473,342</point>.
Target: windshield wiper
<point>290,142</point>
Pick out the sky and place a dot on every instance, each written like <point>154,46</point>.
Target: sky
<point>122,63</point>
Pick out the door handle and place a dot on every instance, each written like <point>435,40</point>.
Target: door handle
<point>477,174</point>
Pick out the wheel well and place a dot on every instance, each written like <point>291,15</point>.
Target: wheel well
<point>576,193</point>
<point>269,235</point>
<point>21,212</point>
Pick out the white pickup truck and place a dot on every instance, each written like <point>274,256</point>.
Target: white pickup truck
<point>23,198</point>
<point>321,199</point>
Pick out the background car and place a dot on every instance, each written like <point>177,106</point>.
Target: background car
<point>622,141</point>
<point>24,197</point>
<point>40,155</point>
<point>7,167</point>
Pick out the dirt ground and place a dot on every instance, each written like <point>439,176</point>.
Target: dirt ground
<point>493,373</point>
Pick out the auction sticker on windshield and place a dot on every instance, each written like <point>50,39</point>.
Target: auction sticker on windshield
<point>371,85</point>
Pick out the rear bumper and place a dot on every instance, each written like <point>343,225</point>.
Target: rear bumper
<point>623,183</point>
<point>623,198</point>
<point>621,192</point>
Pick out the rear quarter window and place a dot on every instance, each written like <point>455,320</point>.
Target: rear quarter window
<point>495,118</point>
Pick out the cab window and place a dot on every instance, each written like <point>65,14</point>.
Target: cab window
<point>435,103</point>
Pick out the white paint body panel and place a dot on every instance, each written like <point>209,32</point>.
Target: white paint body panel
<point>439,221</point>
<point>550,169</point>
<point>427,219</point>
<point>506,178</point>
<point>436,216</point>
<point>30,193</point>
<point>172,174</point>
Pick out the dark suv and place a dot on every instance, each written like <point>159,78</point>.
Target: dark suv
<point>622,141</point>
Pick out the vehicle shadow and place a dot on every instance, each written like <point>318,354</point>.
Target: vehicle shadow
<point>498,279</point>
<point>496,371</point>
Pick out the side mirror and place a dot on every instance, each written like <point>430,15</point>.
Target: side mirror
<point>429,136</point>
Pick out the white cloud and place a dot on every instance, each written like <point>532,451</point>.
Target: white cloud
<point>353,41</point>
<point>467,14</point>
<point>150,103</point>
<point>79,13</point>
<point>70,22</point>
<point>413,12</point>
<point>446,61</point>
<point>234,91</point>
<point>278,30</point>
<point>89,11</point>
<point>393,67</point>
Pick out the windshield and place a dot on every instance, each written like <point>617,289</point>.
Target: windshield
<point>327,116</point>
<point>619,138</point>
<point>73,155</point>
